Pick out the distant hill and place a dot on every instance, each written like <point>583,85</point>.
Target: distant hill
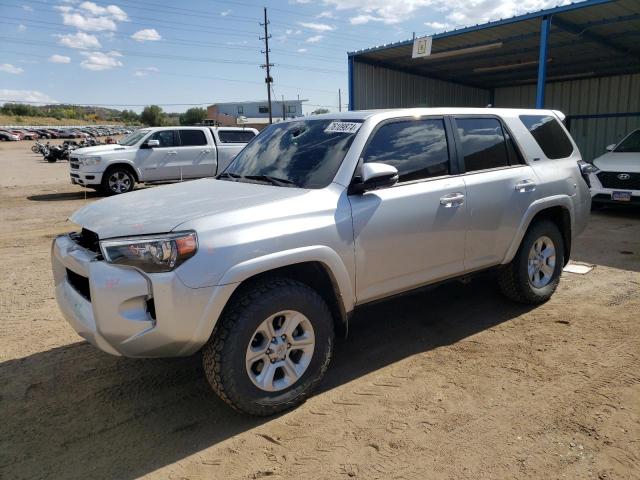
<point>70,112</point>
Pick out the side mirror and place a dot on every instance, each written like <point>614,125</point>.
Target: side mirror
<point>610,147</point>
<point>375,176</point>
<point>152,143</point>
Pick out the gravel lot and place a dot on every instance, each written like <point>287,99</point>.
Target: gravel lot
<point>452,383</point>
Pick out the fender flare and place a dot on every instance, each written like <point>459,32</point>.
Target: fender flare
<point>129,163</point>
<point>314,253</point>
<point>536,207</point>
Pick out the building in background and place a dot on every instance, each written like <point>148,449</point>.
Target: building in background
<point>253,113</point>
<point>582,58</point>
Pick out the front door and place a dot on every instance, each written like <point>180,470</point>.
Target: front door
<point>500,188</point>
<point>161,162</point>
<point>412,233</point>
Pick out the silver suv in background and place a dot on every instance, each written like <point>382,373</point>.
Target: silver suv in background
<point>259,267</point>
<point>160,154</point>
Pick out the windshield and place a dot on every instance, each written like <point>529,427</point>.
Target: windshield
<point>631,144</point>
<point>305,153</point>
<point>133,138</point>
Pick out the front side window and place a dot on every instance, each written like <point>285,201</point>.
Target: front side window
<point>417,148</point>
<point>235,136</point>
<point>483,143</point>
<point>133,138</point>
<point>631,144</point>
<point>189,138</point>
<point>549,135</point>
<point>305,154</point>
<point>165,137</point>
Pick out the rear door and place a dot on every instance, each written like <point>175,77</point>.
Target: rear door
<point>499,185</point>
<point>229,143</point>
<point>412,233</point>
<point>196,156</point>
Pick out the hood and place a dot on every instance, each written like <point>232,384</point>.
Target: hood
<point>618,162</point>
<point>100,149</point>
<point>161,209</point>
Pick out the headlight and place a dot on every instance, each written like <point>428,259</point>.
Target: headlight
<point>587,168</point>
<point>91,160</point>
<point>157,253</point>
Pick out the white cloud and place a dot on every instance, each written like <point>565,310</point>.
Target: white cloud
<point>143,72</point>
<point>301,50</point>
<point>437,25</point>
<point>59,59</point>
<point>79,40</point>
<point>27,8</point>
<point>92,17</point>
<point>457,13</point>
<point>225,13</point>
<point>317,27</point>
<point>326,14</point>
<point>8,68</point>
<point>25,96</point>
<point>147,35</point>
<point>98,61</point>
<point>21,28</point>
<point>314,39</point>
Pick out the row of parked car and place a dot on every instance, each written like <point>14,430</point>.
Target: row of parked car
<point>34,133</point>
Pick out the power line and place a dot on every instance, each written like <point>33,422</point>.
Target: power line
<point>77,104</point>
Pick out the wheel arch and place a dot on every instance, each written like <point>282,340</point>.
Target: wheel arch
<point>123,164</point>
<point>558,210</point>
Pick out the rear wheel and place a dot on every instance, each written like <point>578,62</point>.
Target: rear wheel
<point>534,273</point>
<point>270,348</point>
<point>117,180</point>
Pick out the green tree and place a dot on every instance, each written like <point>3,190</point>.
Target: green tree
<point>193,116</point>
<point>318,111</point>
<point>152,116</point>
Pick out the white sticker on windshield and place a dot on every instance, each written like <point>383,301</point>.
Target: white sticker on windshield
<point>343,127</point>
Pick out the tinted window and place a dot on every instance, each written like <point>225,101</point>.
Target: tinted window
<point>630,144</point>
<point>483,143</point>
<point>417,148</point>
<point>301,152</point>
<point>165,137</point>
<point>192,137</point>
<point>236,136</point>
<point>549,135</point>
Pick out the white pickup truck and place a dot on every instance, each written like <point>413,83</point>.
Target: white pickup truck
<point>159,154</point>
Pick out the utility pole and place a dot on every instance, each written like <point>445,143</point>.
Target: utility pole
<point>268,80</point>
<point>339,100</point>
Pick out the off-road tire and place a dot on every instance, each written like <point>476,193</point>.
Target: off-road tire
<point>223,356</point>
<point>513,278</point>
<point>104,185</point>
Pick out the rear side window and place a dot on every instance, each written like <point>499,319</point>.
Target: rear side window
<point>236,136</point>
<point>165,137</point>
<point>417,148</point>
<point>549,135</point>
<point>190,138</point>
<point>631,144</point>
<point>483,143</point>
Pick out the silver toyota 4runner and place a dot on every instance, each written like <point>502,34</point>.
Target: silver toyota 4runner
<point>259,267</point>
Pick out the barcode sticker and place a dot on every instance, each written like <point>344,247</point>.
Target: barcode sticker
<point>343,127</point>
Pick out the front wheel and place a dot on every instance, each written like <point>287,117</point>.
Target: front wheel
<point>270,348</point>
<point>116,181</point>
<point>534,273</point>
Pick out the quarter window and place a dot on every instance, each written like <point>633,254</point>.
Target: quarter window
<point>165,137</point>
<point>549,135</point>
<point>190,138</point>
<point>483,143</point>
<point>417,148</point>
<point>236,136</point>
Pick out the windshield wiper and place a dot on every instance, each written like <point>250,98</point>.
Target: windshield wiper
<point>232,176</point>
<point>278,182</point>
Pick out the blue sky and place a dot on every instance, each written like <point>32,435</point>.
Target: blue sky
<point>130,53</point>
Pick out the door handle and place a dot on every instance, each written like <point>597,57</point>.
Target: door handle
<point>526,186</point>
<point>172,152</point>
<point>451,200</point>
<point>205,151</point>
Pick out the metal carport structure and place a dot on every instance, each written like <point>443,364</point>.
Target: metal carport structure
<point>582,58</point>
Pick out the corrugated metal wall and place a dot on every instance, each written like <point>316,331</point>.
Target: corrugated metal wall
<point>378,87</point>
<point>596,96</point>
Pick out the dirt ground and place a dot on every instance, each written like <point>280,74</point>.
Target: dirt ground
<point>453,383</point>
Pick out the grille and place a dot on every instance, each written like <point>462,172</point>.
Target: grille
<point>87,239</point>
<point>75,166</point>
<point>611,180</point>
<point>80,283</point>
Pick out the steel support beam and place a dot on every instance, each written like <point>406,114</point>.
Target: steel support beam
<point>542,60</point>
